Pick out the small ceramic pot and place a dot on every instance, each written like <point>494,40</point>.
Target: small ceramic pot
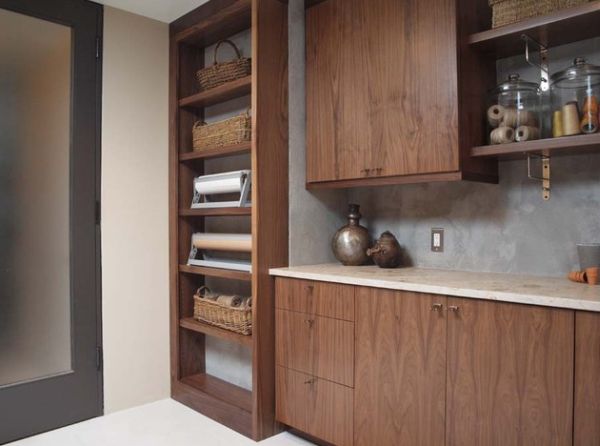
<point>386,252</point>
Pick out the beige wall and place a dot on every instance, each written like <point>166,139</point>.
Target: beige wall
<point>135,210</point>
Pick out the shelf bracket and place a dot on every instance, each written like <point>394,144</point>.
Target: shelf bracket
<point>545,178</point>
<point>542,65</point>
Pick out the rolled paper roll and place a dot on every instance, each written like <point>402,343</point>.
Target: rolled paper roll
<point>223,242</point>
<point>570,119</point>
<point>527,133</point>
<point>591,105</point>
<point>502,135</point>
<point>557,124</point>
<point>233,301</point>
<point>589,123</point>
<point>495,114</point>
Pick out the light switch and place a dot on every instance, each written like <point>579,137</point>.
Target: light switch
<point>437,240</point>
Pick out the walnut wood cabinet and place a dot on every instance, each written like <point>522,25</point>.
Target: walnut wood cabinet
<point>382,94</point>
<point>434,370</point>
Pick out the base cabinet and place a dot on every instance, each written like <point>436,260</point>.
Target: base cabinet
<point>434,370</point>
<point>510,374</point>
<point>400,391</point>
<point>587,379</point>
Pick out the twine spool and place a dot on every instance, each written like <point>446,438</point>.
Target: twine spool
<point>502,135</point>
<point>495,114</point>
<point>527,133</point>
<point>570,119</point>
<point>557,124</point>
<point>515,118</point>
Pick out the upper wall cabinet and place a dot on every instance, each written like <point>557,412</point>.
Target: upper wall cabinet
<point>382,94</point>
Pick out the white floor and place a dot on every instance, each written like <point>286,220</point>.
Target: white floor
<point>164,423</point>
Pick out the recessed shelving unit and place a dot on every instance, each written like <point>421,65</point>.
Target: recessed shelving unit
<point>485,46</point>
<point>250,412</point>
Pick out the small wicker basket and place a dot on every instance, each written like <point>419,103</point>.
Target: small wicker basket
<point>220,73</point>
<point>209,311</point>
<point>230,131</point>
<point>506,12</point>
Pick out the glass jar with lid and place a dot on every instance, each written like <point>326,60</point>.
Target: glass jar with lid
<point>514,111</point>
<point>574,96</point>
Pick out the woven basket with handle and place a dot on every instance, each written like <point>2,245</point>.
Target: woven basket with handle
<point>220,73</point>
<point>230,131</point>
<point>506,12</point>
<point>209,311</point>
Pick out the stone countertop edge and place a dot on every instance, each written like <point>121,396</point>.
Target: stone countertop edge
<point>503,287</point>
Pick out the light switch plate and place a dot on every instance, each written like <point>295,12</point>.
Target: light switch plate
<point>437,239</point>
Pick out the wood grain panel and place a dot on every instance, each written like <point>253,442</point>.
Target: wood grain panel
<point>381,89</point>
<point>510,374</point>
<point>320,298</point>
<point>400,369</point>
<point>315,345</point>
<point>269,196</point>
<point>315,406</point>
<point>587,379</point>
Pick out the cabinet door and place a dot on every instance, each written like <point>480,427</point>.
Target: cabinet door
<point>400,383</point>
<point>510,374</point>
<point>587,379</point>
<point>381,89</point>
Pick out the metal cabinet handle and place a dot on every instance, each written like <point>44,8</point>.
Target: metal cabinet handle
<point>379,170</point>
<point>310,322</point>
<point>453,308</point>
<point>365,172</point>
<point>310,288</point>
<point>310,381</point>
<point>437,307</point>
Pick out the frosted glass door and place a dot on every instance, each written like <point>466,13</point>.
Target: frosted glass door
<point>35,129</point>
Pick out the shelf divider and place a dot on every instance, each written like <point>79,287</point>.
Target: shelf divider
<point>211,330</point>
<point>231,90</point>
<point>216,272</point>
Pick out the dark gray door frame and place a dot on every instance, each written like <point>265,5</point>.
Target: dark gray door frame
<point>38,406</point>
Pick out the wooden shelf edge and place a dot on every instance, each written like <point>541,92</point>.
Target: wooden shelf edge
<point>579,19</point>
<point>210,27</point>
<point>216,152</point>
<point>216,272</point>
<point>231,90</point>
<point>210,330</point>
<point>567,145</point>
<point>215,212</point>
<point>217,400</point>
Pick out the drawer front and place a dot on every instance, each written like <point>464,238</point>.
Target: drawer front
<point>316,345</point>
<point>317,407</point>
<point>320,298</point>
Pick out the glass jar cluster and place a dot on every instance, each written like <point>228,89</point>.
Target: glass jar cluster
<point>515,108</point>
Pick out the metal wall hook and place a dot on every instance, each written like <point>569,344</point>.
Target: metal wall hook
<point>543,65</point>
<point>545,177</point>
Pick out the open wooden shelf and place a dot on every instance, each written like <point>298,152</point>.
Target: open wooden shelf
<point>567,145</point>
<point>231,90</point>
<point>210,330</point>
<point>215,212</point>
<point>216,152</point>
<point>216,272</point>
<point>558,28</point>
<point>222,401</point>
<point>222,23</point>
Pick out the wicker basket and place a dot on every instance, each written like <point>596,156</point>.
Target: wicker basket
<point>238,320</point>
<point>230,131</point>
<point>222,72</point>
<point>506,12</point>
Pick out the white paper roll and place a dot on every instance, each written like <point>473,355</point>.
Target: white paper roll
<point>223,242</point>
<point>219,186</point>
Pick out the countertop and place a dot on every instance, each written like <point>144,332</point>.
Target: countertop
<point>533,290</point>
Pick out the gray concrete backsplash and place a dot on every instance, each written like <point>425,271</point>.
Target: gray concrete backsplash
<point>497,228</point>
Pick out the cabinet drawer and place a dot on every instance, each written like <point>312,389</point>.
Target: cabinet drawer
<point>320,298</point>
<point>315,345</point>
<point>315,406</point>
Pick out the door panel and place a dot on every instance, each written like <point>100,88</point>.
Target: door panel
<point>510,374</point>
<point>381,89</point>
<point>587,384</point>
<point>400,385</point>
<point>49,176</point>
